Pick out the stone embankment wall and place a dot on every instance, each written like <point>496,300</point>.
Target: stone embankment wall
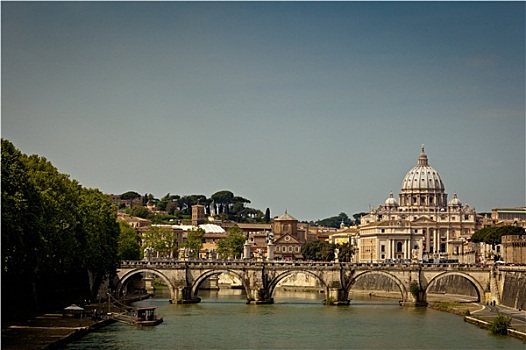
<point>514,289</point>
<point>300,281</point>
<point>375,283</point>
<point>453,285</point>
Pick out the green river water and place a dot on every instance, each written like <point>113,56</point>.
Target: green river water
<point>296,320</point>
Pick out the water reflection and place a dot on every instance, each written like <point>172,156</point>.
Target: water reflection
<point>297,320</point>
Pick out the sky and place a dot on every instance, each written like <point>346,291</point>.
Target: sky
<point>316,108</point>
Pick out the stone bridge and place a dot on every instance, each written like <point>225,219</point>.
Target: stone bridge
<point>260,279</point>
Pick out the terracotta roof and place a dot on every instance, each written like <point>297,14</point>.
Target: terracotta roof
<point>286,217</point>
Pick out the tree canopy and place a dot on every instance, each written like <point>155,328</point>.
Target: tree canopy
<point>194,241</point>
<point>55,233</point>
<point>129,243</point>
<point>492,235</point>
<point>162,240</point>
<point>232,245</point>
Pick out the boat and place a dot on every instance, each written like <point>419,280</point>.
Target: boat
<point>146,317</point>
<point>142,316</point>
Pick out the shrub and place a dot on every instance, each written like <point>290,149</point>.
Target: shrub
<point>500,325</point>
<point>414,288</point>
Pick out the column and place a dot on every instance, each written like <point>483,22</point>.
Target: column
<point>246,250</point>
<point>270,251</point>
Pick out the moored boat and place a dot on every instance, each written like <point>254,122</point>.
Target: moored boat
<point>142,316</point>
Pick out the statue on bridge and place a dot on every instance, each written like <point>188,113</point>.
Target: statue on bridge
<point>414,254</point>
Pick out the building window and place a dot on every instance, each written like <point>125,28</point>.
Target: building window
<point>290,249</point>
<point>399,247</point>
<point>297,249</point>
<point>382,248</point>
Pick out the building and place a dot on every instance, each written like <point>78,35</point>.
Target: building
<point>421,223</point>
<point>287,243</point>
<point>198,214</point>
<point>514,249</point>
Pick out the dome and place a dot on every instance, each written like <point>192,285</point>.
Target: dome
<point>391,202</point>
<point>454,201</point>
<point>422,177</point>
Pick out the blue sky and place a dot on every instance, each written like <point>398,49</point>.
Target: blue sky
<point>314,107</point>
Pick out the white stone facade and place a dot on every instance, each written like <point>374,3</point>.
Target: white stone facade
<point>422,217</point>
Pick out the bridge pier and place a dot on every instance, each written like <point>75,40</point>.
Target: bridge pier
<point>412,301</point>
<point>337,297</point>
<point>184,296</point>
<point>260,296</point>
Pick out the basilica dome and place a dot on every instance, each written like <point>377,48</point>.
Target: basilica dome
<point>422,177</point>
<point>422,185</point>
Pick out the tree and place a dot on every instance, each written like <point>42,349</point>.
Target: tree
<point>129,243</point>
<point>138,211</point>
<point>358,217</point>
<point>162,240</point>
<point>232,244</point>
<point>101,231</point>
<point>130,195</point>
<point>21,220</point>
<point>335,221</point>
<point>346,252</point>
<point>56,235</point>
<point>492,235</point>
<point>318,251</point>
<point>224,200</point>
<point>267,216</point>
<point>194,240</point>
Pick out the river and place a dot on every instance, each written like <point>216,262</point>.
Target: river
<point>297,320</point>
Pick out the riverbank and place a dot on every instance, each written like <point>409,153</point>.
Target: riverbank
<point>48,331</point>
<point>483,315</point>
<point>52,330</point>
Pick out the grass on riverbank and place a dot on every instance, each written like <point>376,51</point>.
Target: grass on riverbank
<point>457,308</point>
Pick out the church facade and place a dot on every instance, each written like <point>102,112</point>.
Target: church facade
<point>422,224</point>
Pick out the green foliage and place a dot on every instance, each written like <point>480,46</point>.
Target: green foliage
<point>232,244</point>
<point>414,289</point>
<point>346,252</point>
<point>335,221</point>
<point>138,211</point>
<point>492,235</point>
<point>162,240</point>
<point>194,240</point>
<point>267,216</point>
<point>55,233</point>
<point>21,216</point>
<point>500,325</point>
<point>318,251</point>
<point>130,195</point>
<point>357,217</point>
<point>129,243</point>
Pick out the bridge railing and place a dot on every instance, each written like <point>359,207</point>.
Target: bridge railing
<point>176,263</point>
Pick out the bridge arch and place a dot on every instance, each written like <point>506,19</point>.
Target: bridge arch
<point>209,273</point>
<point>273,283</point>
<point>131,273</point>
<point>478,287</point>
<point>396,280</point>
